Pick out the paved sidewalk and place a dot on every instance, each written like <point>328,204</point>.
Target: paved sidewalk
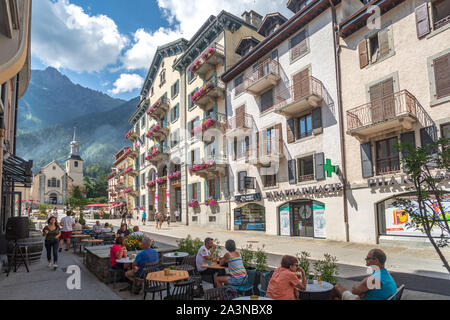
<point>421,261</point>
<point>42,283</point>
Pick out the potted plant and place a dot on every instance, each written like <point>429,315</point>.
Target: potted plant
<point>327,269</point>
<point>260,261</point>
<point>172,269</point>
<point>304,263</point>
<point>247,257</point>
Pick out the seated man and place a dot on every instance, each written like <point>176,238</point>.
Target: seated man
<point>378,286</point>
<point>202,257</point>
<point>148,255</point>
<point>97,228</point>
<point>136,231</point>
<point>77,227</point>
<point>123,231</point>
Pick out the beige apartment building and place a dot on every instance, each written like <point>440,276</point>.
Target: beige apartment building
<point>119,180</point>
<point>205,196</point>
<point>15,24</point>
<point>395,87</point>
<point>156,136</point>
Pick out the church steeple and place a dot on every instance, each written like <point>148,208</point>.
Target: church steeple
<point>74,146</point>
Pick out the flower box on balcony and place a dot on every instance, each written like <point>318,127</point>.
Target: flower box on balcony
<point>210,201</point>
<point>150,110</point>
<point>201,166</point>
<point>162,180</point>
<point>127,170</point>
<point>208,53</point>
<point>174,175</point>
<point>151,184</point>
<point>128,134</point>
<point>128,151</point>
<point>202,91</point>
<point>127,190</point>
<point>193,203</point>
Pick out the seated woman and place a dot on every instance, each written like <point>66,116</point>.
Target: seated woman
<point>236,270</point>
<point>118,251</point>
<point>136,231</point>
<point>285,279</point>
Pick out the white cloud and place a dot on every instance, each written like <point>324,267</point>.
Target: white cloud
<point>64,36</point>
<point>185,20</point>
<point>127,83</point>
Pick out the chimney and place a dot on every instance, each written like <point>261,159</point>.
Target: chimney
<point>252,18</point>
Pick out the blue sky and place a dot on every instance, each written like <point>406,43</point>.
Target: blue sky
<point>108,45</point>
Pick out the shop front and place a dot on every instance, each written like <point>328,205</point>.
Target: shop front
<point>302,218</point>
<point>250,216</point>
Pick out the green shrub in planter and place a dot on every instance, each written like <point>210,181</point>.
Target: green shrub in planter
<point>303,261</point>
<point>247,255</point>
<point>260,257</point>
<point>96,216</point>
<point>327,268</point>
<point>106,216</point>
<point>189,245</point>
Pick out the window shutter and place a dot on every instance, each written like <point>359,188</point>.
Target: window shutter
<point>319,160</point>
<point>241,180</point>
<point>266,100</point>
<point>422,20</point>
<point>366,160</point>
<point>274,54</point>
<point>257,145</point>
<point>279,135</point>
<point>197,155</point>
<point>442,76</point>
<point>428,136</point>
<point>363,54</point>
<point>205,184</point>
<point>316,118</point>
<point>290,130</point>
<point>217,189</point>
<point>240,116</point>
<point>199,194</point>
<point>190,157</point>
<point>190,192</point>
<point>298,45</point>
<point>408,137</point>
<point>383,42</point>
<point>292,171</point>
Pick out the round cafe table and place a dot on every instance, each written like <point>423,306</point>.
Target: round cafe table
<point>315,292</point>
<point>125,260</point>
<point>217,267</point>
<point>177,257</point>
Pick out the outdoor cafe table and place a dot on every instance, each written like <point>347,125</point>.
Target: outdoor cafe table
<point>216,266</point>
<point>177,255</point>
<point>315,292</point>
<point>160,276</point>
<point>91,241</point>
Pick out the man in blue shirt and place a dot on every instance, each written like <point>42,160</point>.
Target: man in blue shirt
<point>378,286</point>
<point>148,255</point>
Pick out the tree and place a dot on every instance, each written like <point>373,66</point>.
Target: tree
<point>77,201</point>
<point>427,214</point>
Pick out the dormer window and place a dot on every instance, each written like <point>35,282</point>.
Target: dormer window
<point>297,5</point>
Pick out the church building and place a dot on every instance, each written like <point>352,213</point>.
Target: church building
<point>53,184</point>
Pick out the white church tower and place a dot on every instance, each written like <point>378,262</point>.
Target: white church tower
<point>74,164</point>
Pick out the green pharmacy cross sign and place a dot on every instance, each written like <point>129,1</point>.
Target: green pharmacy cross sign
<point>329,169</point>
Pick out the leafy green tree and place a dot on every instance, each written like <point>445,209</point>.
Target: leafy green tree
<point>427,213</point>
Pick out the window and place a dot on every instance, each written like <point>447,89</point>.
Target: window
<point>241,180</point>
<point>238,85</point>
<point>267,100</point>
<point>244,147</point>
<point>53,182</point>
<point>58,185</point>
<point>191,75</point>
<point>190,103</point>
<point>195,191</point>
<point>176,88</point>
<point>142,159</point>
<point>143,122</point>
<point>49,183</point>
<point>445,132</point>
<point>212,219</point>
<point>387,156</point>
<point>162,78</point>
<point>143,201</point>
<point>376,48</point>
<point>175,138</point>
<point>305,169</point>
<point>270,145</point>
<point>143,178</point>
<point>304,126</point>
<point>194,219</point>
<point>269,180</point>
<point>298,45</point>
<point>441,67</point>
<point>76,164</point>
<point>54,167</point>
<point>212,188</point>
<point>175,113</point>
<point>152,92</point>
<point>441,13</point>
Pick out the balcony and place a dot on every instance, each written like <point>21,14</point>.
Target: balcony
<point>131,135</point>
<point>159,131</point>
<point>208,60</point>
<point>388,165</point>
<point>269,150</point>
<point>133,153</point>
<point>159,108</point>
<point>303,95</point>
<point>240,125</point>
<point>209,168</point>
<point>158,153</point>
<point>399,110</point>
<point>265,76</point>
<point>212,89</point>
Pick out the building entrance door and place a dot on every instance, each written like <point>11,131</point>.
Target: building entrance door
<point>302,219</point>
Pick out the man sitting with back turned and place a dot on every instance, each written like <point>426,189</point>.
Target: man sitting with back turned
<point>147,255</point>
<point>378,286</point>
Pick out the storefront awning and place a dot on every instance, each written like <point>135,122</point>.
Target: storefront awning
<point>18,170</point>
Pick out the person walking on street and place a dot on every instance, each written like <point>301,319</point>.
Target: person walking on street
<point>67,224</point>
<point>129,217</point>
<point>52,232</point>
<point>123,215</point>
<point>161,220</point>
<point>168,219</point>
<point>144,217</point>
